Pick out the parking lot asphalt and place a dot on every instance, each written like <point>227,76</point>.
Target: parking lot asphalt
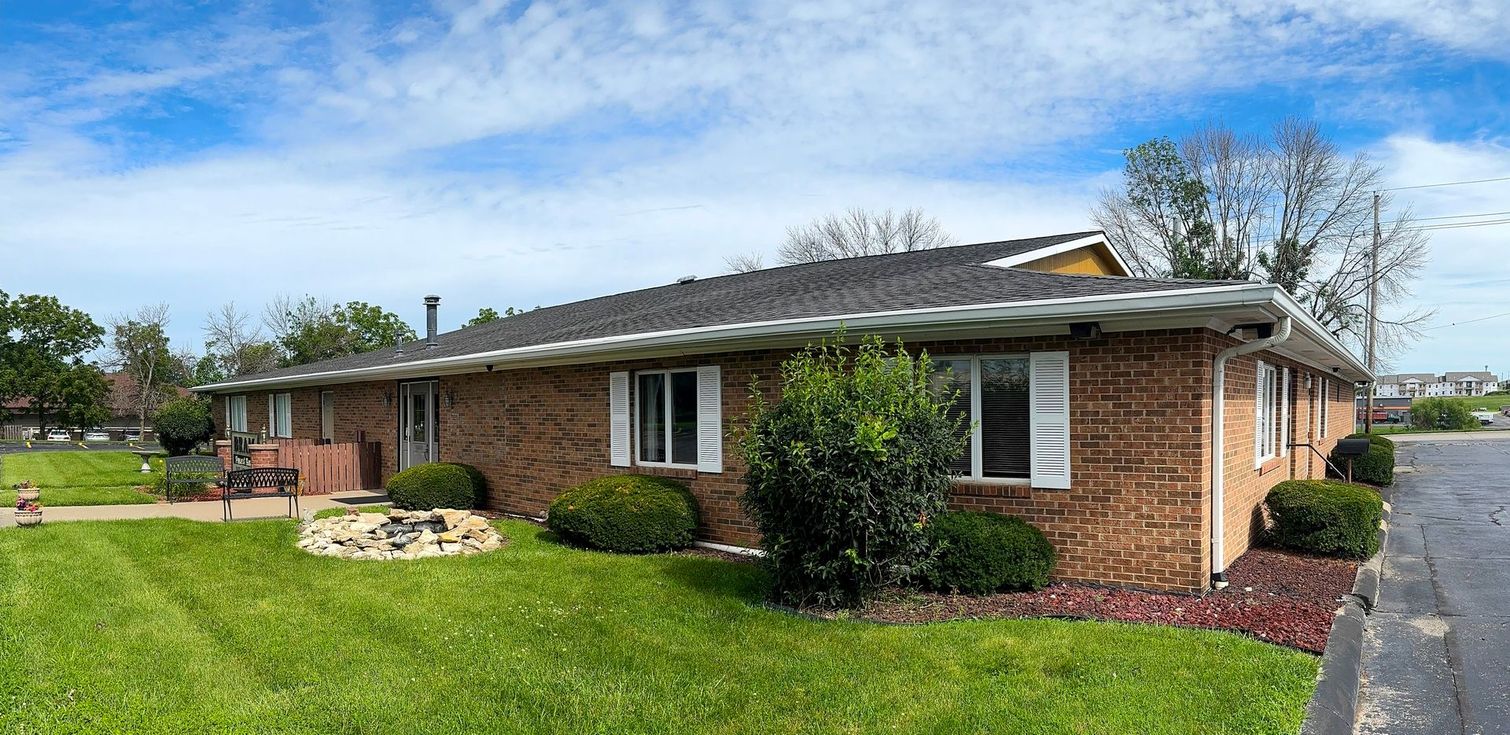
<point>1436,657</point>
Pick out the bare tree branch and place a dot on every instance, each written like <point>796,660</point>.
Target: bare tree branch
<point>744,263</point>
<point>858,232</point>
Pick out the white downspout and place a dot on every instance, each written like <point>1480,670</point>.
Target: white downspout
<point>1218,427</point>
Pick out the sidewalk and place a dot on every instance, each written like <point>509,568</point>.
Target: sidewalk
<point>201,511</point>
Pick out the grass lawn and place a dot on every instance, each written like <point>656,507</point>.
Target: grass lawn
<point>175,626</point>
<point>85,477</point>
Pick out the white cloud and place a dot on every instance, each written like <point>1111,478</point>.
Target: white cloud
<point>510,154</point>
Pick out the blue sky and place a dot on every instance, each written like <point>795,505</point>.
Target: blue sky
<point>512,153</point>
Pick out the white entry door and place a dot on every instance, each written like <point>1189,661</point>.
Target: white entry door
<point>417,440</point>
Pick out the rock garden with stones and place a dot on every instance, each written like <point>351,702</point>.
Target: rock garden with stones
<point>400,534</point>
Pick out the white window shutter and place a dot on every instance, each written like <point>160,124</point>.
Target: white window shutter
<point>710,420</point>
<point>1049,419</point>
<point>618,419</point>
<point>1260,422</point>
<point>1284,410</point>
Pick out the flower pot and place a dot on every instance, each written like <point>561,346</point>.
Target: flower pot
<point>28,517</point>
<point>29,493</point>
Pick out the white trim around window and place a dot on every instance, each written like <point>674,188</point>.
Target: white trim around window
<point>685,406</point>
<point>1034,425</point>
<point>1326,398</point>
<point>1268,413</point>
<point>280,416</point>
<point>235,413</point>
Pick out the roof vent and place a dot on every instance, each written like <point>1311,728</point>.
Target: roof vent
<point>686,279</point>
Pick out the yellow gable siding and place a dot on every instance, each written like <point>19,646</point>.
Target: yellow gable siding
<point>1090,260</point>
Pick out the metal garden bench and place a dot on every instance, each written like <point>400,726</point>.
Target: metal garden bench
<point>241,484</point>
<point>194,473</point>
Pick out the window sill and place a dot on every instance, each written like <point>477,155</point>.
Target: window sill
<point>994,481</point>
<point>1269,465</point>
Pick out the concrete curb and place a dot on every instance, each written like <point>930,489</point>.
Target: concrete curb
<point>1333,709</point>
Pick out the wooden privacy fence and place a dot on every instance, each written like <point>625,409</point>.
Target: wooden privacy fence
<point>333,468</point>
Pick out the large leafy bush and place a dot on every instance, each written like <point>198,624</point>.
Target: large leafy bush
<point>979,553</point>
<point>1324,517</point>
<point>431,486</point>
<point>182,423</point>
<point>846,470</point>
<point>1441,413</point>
<point>626,513</point>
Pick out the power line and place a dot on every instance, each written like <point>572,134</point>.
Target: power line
<point>1448,216</point>
<point>1448,183</point>
<point>1456,225</point>
<point>1468,321</point>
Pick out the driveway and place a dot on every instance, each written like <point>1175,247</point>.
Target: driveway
<point>1437,648</point>
<point>15,447</point>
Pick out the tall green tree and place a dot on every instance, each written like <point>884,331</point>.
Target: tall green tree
<point>309,330</point>
<point>1162,210</point>
<point>83,396</point>
<point>488,314</point>
<point>41,339</point>
<point>1289,207</point>
<point>139,350</point>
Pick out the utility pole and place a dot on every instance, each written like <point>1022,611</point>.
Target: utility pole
<point>1373,299</point>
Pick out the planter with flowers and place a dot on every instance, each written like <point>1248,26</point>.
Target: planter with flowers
<point>25,490</point>
<point>28,512</point>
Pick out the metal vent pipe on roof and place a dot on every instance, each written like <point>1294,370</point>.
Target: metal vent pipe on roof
<point>432,305</point>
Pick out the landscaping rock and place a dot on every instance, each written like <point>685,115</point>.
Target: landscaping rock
<point>399,534</point>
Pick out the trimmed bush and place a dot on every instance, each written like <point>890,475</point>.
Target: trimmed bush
<point>631,514</point>
<point>1375,467</point>
<point>845,472</point>
<point>1324,517</point>
<point>431,486</point>
<point>182,424</point>
<point>479,483</point>
<point>980,553</point>
<point>1441,413</point>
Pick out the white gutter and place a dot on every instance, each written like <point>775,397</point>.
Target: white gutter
<point>1218,429</point>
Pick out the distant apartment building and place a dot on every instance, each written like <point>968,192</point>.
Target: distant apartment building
<point>1427,385</point>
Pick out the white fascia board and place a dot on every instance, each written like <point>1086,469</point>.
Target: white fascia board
<point>1312,329</point>
<point>697,339</point>
<point>1064,247</point>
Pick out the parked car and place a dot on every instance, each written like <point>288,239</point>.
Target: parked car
<point>96,436</point>
<point>133,436</point>
<point>58,435</point>
<point>1485,417</point>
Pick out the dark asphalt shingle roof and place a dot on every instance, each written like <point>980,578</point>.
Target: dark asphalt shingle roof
<point>951,276</point>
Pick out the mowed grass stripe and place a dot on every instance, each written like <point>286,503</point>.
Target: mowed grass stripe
<point>538,637</point>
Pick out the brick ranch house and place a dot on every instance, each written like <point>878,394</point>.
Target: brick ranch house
<point>1092,393</point>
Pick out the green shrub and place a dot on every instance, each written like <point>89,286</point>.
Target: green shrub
<point>626,513</point>
<point>1375,467</point>
<point>846,470</point>
<point>479,483</point>
<point>979,553</point>
<point>1441,413</point>
<point>431,486</point>
<point>183,423</point>
<point>1324,517</point>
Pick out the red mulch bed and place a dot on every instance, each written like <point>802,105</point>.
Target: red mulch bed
<point>1276,596</point>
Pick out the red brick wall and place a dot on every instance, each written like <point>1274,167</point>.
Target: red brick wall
<point>1245,483</point>
<point>1138,511</point>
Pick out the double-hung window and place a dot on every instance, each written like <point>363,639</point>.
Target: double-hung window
<point>666,418</point>
<point>280,415</point>
<point>235,413</point>
<point>1014,409</point>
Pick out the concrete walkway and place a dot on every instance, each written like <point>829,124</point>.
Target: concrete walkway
<point>1436,652</point>
<point>200,511</point>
